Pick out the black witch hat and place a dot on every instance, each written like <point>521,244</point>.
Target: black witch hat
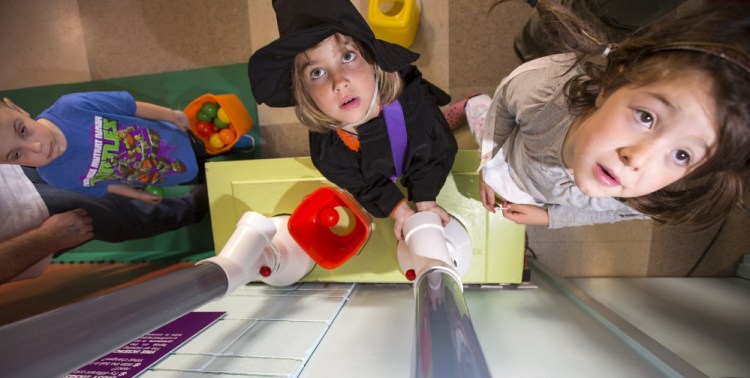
<point>302,25</point>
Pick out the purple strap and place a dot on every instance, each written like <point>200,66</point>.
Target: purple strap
<point>394,121</point>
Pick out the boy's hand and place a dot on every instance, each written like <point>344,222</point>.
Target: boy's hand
<point>435,208</point>
<point>157,112</point>
<point>525,214</point>
<point>136,194</point>
<point>149,198</point>
<point>181,120</point>
<point>399,215</point>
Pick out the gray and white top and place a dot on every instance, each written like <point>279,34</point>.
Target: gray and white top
<point>529,118</point>
<point>21,205</point>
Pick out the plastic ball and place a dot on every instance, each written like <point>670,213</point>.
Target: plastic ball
<point>205,129</point>
<point>227,135</point>
<point>220,124</point>
<point>339,220</point>
<point>222,115</point>
<point>328,216</point>
<point>209,109</point>
<point>154,190</point>
<point>215,141</point>
<point>203,116</point>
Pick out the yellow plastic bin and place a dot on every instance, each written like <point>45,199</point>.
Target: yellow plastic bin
<point>239,119</point>
<point>395,21</point>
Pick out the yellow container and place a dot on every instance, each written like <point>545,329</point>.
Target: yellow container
<point>239,119</point>
<point>395,21</point>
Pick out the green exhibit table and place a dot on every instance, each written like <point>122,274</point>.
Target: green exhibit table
<point>276,186</point>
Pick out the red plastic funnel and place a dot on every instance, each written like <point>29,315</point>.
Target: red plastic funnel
<point>330,226</point>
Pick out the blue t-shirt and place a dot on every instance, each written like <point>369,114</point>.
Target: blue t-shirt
<point>107,144</point>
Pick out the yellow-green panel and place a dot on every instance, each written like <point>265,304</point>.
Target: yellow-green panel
<point>276,186</point>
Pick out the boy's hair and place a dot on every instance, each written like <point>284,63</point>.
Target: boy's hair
<point>714,42</point>
<point>389,88</point>
<point>6,108</point>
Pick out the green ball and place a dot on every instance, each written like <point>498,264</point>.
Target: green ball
<point>202,116</point>
<point>219,123</point>
<point>210,109</point>
<point>155,190</point>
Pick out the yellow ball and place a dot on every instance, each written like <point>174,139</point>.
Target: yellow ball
<point>215,140</point>
<point>222,115</point>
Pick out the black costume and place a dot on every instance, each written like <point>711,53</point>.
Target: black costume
<point>431,146</point>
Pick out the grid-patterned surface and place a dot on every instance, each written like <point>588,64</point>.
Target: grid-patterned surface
<point>267,331</point>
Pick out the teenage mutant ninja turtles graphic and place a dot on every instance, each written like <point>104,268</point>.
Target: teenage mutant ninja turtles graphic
<point>134,154</point>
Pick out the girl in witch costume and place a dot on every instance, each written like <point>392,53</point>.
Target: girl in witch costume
<point>373,119</point>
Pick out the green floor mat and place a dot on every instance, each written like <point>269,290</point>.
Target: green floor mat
<point>175,90</point>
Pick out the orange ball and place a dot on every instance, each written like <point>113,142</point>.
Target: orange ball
<point>227,135</point>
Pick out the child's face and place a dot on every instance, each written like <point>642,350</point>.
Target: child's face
<point>641,139</point>
<point>25,141</point>
<point>340,81</point>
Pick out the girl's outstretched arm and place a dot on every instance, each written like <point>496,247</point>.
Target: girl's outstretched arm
<point>568,216</point>
<point>525,214</point>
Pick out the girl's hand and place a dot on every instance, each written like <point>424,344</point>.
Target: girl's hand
<point>181,120</point>
<point>525,214</point>
<point>435,208</point>
<point>488,196</point>
<point>399,215</point>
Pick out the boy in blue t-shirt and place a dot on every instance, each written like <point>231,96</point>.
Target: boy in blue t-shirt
<point>102,142</point>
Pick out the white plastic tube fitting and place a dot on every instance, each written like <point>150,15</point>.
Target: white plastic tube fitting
<point>239,255</point>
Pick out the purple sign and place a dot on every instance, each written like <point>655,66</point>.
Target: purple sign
<point>138,355</point>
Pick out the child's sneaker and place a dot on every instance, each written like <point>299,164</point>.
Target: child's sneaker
<point>455,114</point>
<point>471,110</point>
<point>245,143</point>
<point>475,113</point>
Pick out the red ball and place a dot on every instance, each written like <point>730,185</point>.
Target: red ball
<point>204,129</point>
<point>328,216</point>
